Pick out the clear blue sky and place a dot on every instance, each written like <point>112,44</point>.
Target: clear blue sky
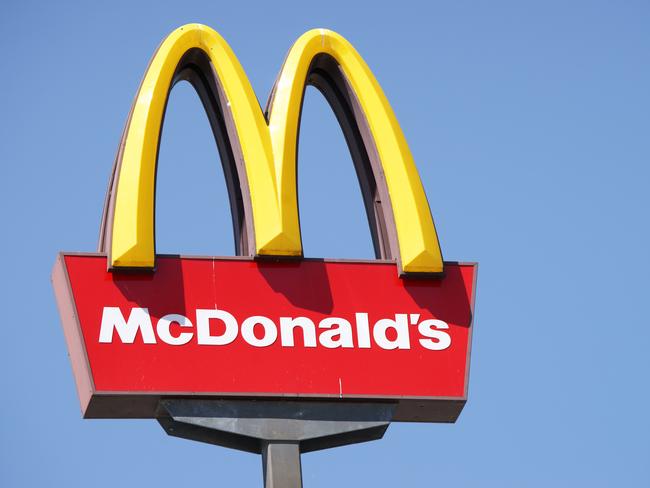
<point>530,124</point>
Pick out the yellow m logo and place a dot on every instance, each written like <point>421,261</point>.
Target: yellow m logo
<point>258,150</point>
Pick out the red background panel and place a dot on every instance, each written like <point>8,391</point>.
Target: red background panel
<point>312,288</point>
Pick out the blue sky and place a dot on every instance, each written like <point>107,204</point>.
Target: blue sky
<point>529,124</point>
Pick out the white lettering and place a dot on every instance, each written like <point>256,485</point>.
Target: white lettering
<point>399,325</point>
<point>203,336</point>
<point>288,326</point>
<point>219,328</point>
<point>165,335</point>
<point>248,331</point>
<point>363,330</point>
<point>338,335</point>
<point>112,319</point>
<point>428,328</point>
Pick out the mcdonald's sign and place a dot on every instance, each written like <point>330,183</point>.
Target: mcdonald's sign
<point>267,323</point>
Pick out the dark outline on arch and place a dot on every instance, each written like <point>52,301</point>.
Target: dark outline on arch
<point>326,75</point>
<point>196,68</point>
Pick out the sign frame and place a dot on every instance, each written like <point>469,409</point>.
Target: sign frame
<point>144,404</point>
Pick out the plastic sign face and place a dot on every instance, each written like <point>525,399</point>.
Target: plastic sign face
<point>267,323</point>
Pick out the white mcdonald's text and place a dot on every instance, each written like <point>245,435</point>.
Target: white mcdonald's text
<point>216,327</point>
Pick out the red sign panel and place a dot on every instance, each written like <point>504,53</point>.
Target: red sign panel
<point>224,327</point>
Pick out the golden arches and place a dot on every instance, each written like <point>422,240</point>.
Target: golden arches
<point>264,151</point>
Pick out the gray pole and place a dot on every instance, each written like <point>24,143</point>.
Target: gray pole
<point>278,430</point>
<point>281,462</point>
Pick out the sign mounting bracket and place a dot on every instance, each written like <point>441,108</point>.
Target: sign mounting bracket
<point>278,430</point>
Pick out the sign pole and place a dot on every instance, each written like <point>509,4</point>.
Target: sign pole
<point>278,430</point>
<point>281,464</point>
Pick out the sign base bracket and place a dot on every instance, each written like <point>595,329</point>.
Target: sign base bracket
<point>278,430</point>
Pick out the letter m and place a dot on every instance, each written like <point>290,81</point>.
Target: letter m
<point>112,319</point>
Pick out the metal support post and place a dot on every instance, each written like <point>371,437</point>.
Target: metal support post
<point>281,464</point>
<point>278,430</point>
